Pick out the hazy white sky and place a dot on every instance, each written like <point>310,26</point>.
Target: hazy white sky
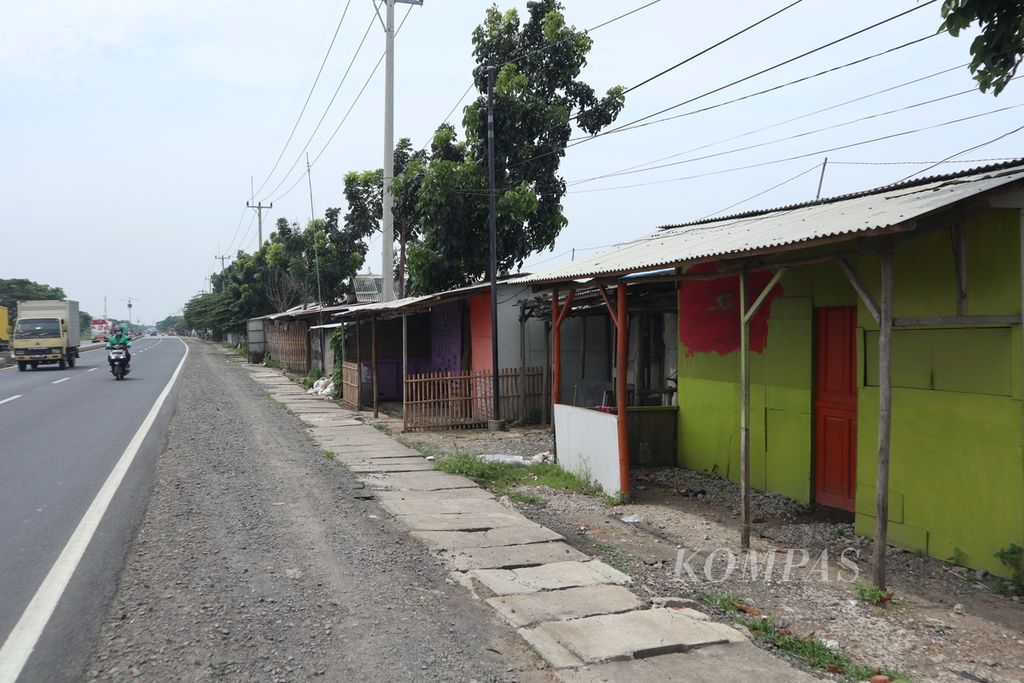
<point>129,130</point>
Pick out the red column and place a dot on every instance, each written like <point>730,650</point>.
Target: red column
<point>556,351</point>
<point>621,399</point>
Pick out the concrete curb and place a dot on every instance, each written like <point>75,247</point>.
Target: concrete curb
<point>573,610</point>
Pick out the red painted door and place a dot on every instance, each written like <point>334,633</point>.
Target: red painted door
<point>835,408</point>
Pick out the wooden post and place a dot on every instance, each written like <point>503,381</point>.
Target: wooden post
<point>884,423</point>
<point>359,367</point>
<point>546,389</point>
<point>522,362</point>
<point>621,397</point>
<point>556,352</point>
<point>373,366</point>
<point>405,362</point>
<point>744,415</point>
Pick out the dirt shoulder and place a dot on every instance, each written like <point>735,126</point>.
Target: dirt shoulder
<point>259,560</point>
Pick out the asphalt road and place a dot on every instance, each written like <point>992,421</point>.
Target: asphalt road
<point>62,433</point>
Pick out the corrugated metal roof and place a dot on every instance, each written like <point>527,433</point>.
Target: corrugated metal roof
<point>411,303</point>
<point>770,229</point>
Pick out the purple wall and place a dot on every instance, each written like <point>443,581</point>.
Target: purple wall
<point>446,338</point>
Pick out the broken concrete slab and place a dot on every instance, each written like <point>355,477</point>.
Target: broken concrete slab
<point>434,496</point>
<point>511,556</point>
<point>357,453</point>
<point>550,650</point>
<point>571,603</point>
<point>546,577</point>
<point>416,481</point>
<point>452,540</point>
<point>474,521</point>
<point>635,635</point>
<point>734,663</point>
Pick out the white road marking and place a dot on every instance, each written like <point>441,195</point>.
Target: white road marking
<point>92,369</point>
<point>26,633</point>
<point>61,380</point>
<point>8,400</point>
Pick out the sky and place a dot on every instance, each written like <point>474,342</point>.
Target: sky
<point>132,133</point>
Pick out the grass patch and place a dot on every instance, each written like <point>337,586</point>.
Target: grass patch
<point>273,363</point>
<point>622,561</point>
<point>870,593</point>
<point>525,498</point>
<point>381,427</point>
<point>502,476</point>
<point>310,379</point>
<point>1012,557</point>
<point>726,601</point>
<point>814,652</point>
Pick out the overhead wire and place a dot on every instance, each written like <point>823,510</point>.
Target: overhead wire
<point>308,97</point>
<point>963,151</point>
<point>763,192</point>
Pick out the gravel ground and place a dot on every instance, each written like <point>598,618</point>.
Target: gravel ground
<point>257,561</point>
<point>944,625</point>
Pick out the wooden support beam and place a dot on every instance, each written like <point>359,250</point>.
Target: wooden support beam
<point>556,352</point>
<point>359,367</point>
<point>405,364</point>
<point>621,388</point>
<point>884,423</point>
<point>607,304</point>
<point>566,307</point>
<point>547,390</point>
<point>957,320</point>
<point>373,366</point>
<point>862,291</point>
<point>522,362</point>
<point>744,415</point>
<point>749,314</point>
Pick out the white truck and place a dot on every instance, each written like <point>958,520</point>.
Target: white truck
<point>46,332</point>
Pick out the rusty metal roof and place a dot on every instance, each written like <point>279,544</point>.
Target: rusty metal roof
<point>773,229</point>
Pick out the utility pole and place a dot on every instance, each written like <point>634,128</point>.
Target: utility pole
<point>130,300</point>
<point>316,260</point>
<point>495,384</point>
<point>259,208</point>
<point>821,178</point>
<point>222,259</point>
<point>388,223</point>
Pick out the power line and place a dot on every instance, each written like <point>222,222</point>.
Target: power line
<point>763,192</point>
<point>964,151</point>
<point>319,123</point>
<point>308,96</point>
<point>345,118</point>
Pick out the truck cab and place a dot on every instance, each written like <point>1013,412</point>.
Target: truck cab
<point>46,333</point>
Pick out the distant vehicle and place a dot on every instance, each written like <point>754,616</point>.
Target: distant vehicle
<point>100,330</point>
<point>46,332</point>
<point>5,329</point>
<point>152,333</point>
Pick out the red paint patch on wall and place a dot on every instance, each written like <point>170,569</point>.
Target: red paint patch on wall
<point>480,331</point>
<point>709,315</point>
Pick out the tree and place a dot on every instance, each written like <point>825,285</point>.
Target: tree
<point>13,291</point>
<point>537,87</point>
<point>996,52</point>
<point>171,322</point>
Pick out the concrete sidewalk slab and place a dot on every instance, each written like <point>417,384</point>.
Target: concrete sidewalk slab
<point>395,465</point>
<point>546,577</point>
<point>443,503</point>
<point>474,521</point>
<point>434,496</point>
<point>633,635</point>
<point>512,556</point>
<point>571,603</point>
<point>456,540</point>
<point>734,663</point>
<point>416,481</point>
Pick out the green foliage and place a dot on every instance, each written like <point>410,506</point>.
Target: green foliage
<point>1013,557</point>
<point>534,98</point>
<point>996,52</point>
<point>13,291</point>
<point>310,379</point>
<point>502,476</point>
<point>525,498</point>
<point>624,562</point>
<point>175,322</point>
<point>723,600</point>
<point>871,593</point>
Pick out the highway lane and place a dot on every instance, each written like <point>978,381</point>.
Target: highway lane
<point>63,432</point>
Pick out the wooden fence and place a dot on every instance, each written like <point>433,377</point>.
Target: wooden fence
<point>350,385</point>
<point>288,343</point>
<point>443,400</point>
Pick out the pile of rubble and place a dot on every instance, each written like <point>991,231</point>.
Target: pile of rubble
<point>322,388</point>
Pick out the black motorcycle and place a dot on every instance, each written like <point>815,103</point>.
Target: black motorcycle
<point>117,356</point>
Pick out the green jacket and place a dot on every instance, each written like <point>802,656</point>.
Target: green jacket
<point>122,339</point>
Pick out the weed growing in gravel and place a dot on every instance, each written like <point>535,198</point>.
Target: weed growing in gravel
<point>814,652</point>
<point>273,363</point>
<point>502,476</point>
<point>380,427</point>
<point>727,601</point>
<point>871,593</point>
<point>618,559</point>
<point>525,498</point>
<point>329,455</point>
<point>1013,557</point>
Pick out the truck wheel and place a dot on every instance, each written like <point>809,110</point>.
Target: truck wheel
<point>34,364</point>
<point>71,361</point>
<point>62,364</point>
<point>22,365</point>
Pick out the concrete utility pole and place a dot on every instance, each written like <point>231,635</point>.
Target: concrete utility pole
<point>259,208</point>
<point>495,383</point>
<point>388,223</point>
<point>222,259</point>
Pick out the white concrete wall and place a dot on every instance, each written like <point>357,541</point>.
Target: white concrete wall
<point>586,443</point>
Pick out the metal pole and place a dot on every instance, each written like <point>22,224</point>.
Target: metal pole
<point>405,361</point>
<point>821,178</point>
<point>744,415</point>
<point>359,366</point>
<point>388,224</point>
<point>496,407</point>
<point>373,365</point>
<point>884,423</point>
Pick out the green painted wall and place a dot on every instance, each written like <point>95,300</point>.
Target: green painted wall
<point>957,471</point>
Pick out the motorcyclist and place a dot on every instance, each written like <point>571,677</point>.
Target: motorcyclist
<point>122,338</point>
